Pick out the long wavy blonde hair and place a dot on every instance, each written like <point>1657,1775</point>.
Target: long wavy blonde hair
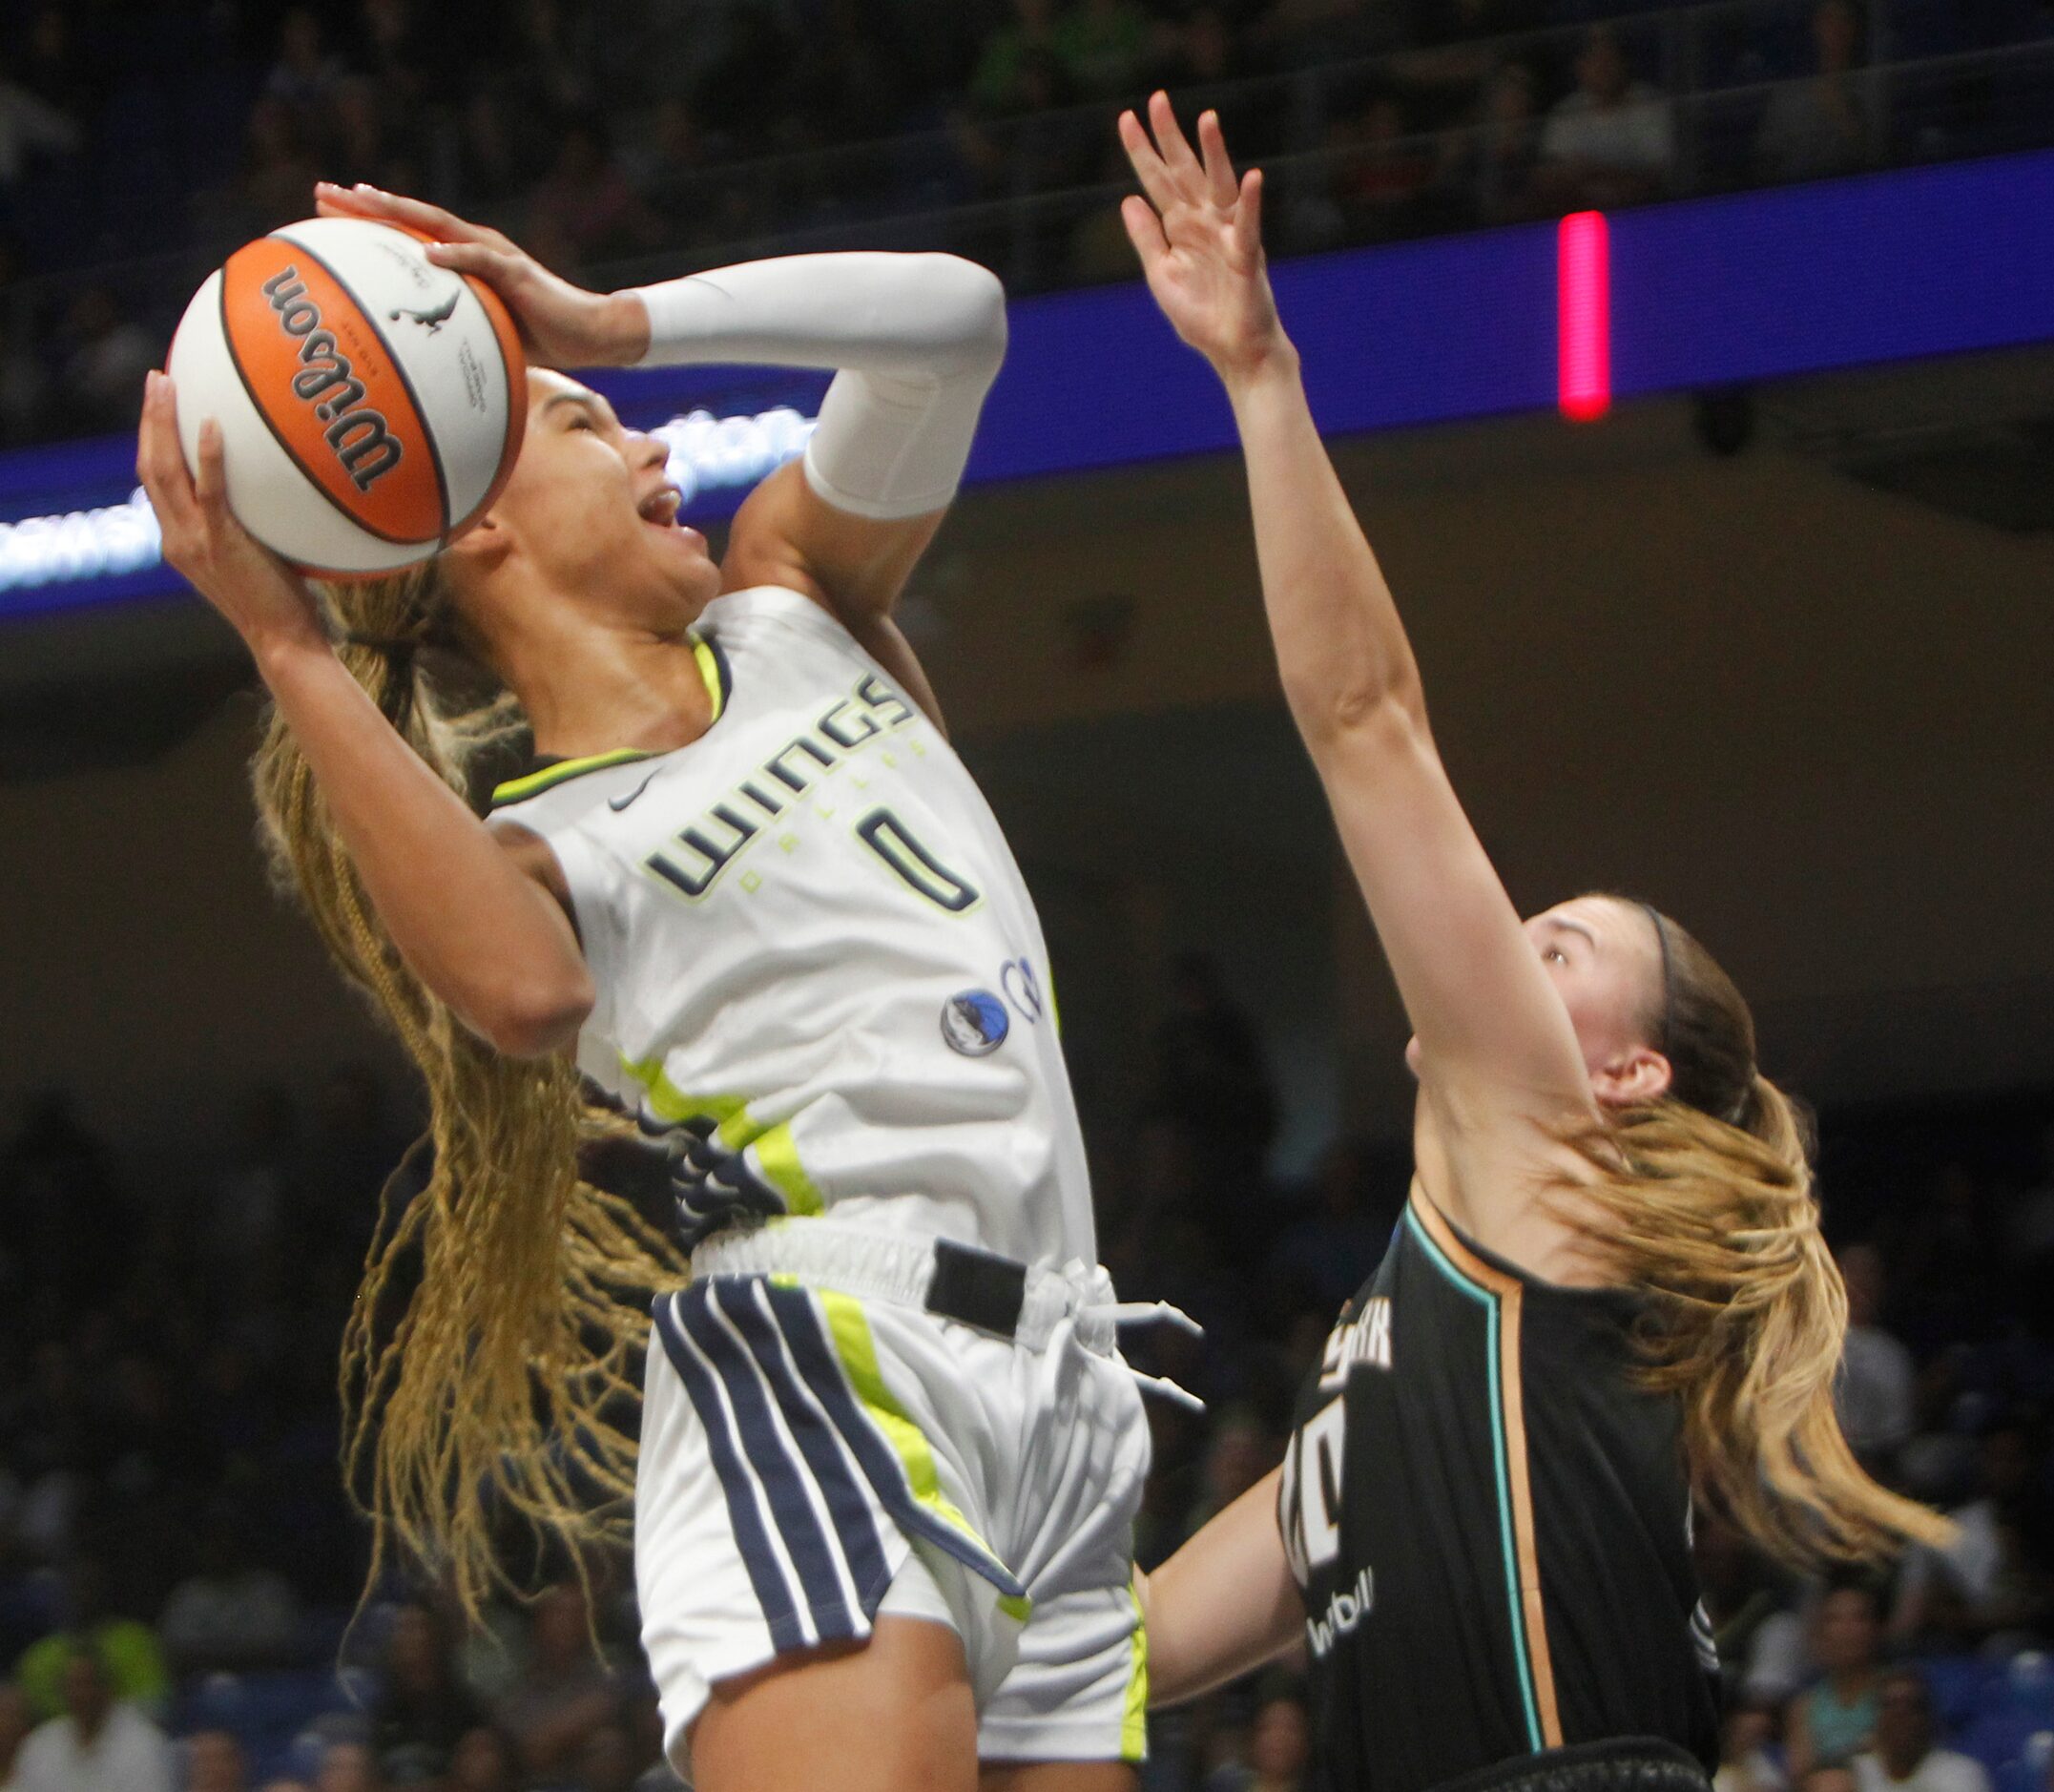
<point>489,1365</point>
<point>1704,1202</point>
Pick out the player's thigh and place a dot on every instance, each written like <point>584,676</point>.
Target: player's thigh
<point>1059,1776</point>
<point>877,1717</point>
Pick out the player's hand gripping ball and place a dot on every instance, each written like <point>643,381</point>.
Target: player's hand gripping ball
<point>371,403</point>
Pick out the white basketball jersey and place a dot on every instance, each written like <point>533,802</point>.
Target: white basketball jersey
<point>812,949</point>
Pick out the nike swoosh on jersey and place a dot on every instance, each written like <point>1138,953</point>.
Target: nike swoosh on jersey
<point>618,803</point>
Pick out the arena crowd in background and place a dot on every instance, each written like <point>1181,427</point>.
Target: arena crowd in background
<point>178,1562</point>
<point>652,134</point>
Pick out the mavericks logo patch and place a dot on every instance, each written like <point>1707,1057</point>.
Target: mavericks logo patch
<point>975,1023</point>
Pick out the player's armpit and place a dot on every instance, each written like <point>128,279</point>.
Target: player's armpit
<point>787,533</point>
<point>531,853</point>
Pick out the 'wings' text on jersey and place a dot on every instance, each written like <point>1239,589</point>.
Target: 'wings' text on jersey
<point>814,951</point>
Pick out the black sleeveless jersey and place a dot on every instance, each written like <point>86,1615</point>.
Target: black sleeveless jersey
<point>1490,1523</point>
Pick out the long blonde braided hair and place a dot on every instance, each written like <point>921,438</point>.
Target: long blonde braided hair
<point>489,1364</point>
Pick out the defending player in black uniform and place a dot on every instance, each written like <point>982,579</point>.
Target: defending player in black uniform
<point>1609,1292</point>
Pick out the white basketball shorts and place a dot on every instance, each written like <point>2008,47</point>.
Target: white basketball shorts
<point>810,1458</point>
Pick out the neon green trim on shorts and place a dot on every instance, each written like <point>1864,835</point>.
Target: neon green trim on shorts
<point>854,1345</point>
<point>1135,1722</point>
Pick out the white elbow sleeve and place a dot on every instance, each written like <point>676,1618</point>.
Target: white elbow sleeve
<point>918,340</point>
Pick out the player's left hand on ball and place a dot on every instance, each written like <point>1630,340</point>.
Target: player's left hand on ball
<point>263,599</point>
<point>561,326</point>
<point>1199,236</point>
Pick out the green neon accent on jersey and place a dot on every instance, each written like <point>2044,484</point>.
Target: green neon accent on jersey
<point>518,789</point>
<point>1521,1647</point>
<point>776,1156</point>
<point>1018,1608</point>
<point>710,671</point>
<point>851,1333</point>
<point>1134,1722</point>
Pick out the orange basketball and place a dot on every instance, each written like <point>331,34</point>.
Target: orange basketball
<point>371,403</point>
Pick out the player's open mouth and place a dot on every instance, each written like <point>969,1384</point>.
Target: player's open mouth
<point>662,507</point>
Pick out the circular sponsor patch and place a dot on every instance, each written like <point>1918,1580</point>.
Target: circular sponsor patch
<point>974,1023</point>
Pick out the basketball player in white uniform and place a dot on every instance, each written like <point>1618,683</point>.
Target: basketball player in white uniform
<point>890,1456</point>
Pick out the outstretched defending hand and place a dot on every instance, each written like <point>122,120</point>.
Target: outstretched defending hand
<point>1199,236</point>
<point>266,602</point>
<point>561,326</point>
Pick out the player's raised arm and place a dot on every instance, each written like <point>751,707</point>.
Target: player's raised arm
<point>1489,1024</point>
<point>479,928</point>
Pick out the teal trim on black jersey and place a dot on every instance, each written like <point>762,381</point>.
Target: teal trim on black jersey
<point>1488,1300</point>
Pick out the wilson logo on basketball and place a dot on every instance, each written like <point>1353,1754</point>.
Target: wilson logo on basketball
<point>358,435</point>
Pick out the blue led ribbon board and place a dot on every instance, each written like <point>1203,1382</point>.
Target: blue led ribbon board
<point>1705,292</point>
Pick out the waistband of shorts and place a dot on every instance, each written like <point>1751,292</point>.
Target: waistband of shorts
<point>1024,1304</point>
<point>1623,1763</point>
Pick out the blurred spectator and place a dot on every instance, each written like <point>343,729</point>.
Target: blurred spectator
<point>1746,1764</point>
<point>483,1761</point>
<point>1213,1079</point>
<point>1995,1585</point>
<point>2029,1225</point>
<point>1237,1454</point>
<point>102,382</point>
<point>24,384</point>
<point>1611,141</point>
<point>1103,46</point>
<point>1943,1247</point>
<point>1021,63</point>
<point>53,66</point>
<point>1385,171</point>
<point>63,1221</point>
<point>102,1743</point>
<point>1324,1259</point>
<point>247,1203</point>
<point>348,1766</point>
<point>1830,1724</point>
<point>122,1649</point>
<point>1761,1642</point>
<point>306,77</point>
<point>1279,1747</point>
<point>1498,156</point>
<point>278,171</point>
<point>16,1723</point>
<point>1840,1778</point>
<point>422,1716</point>
<point>1904,1759</point>
<point>609,1761</point>
<point>1820,126</point>
<point>214,1763</point>
<point>231,1613</point>
<point>28,122</point>
<point>566,1692</point>
<point>1874,1392</point>
<point>586,204</point>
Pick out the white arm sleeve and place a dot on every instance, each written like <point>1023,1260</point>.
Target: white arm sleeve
<point>918,340</point>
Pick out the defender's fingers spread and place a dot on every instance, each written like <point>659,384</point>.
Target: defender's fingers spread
<point>1149,167</point>
<point>1218,166</point>
<point>1143,230</point>
<point>1249,224</point>
<point>1170,137</point>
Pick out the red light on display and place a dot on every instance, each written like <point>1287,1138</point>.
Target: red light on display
<point>1583,316</point>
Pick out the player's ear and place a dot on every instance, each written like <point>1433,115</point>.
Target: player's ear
<point>481,547</point>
